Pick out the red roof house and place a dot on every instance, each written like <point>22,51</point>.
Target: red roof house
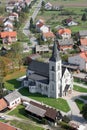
<point>8,37</point>
<point>3,104</point>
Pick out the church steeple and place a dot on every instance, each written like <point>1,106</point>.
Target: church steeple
<point>55,53</point>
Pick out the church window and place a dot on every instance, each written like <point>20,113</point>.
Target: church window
<point>52,87</point>
<point>52,76</point>
<point>53,68</point>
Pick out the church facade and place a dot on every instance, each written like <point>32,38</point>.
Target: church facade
<point>50,79</point>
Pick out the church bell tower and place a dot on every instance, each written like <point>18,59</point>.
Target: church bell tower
<point>55,73</point>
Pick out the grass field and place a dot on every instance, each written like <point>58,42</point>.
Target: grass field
<point>10,80</point>
<point>80,89</point>
<point>70,3</point>
<point>79,104</point>
<point>59,103</point>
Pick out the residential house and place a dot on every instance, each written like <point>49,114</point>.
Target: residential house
<point>48,6</point>
<point>43,112</point>
<point>44,29</point>
<point>8,22</point>
<point>64,44</point>
<point>8,28</point>
<point>70,22</point>
<point>6,126</point>
<point>65,33</point>
<point>41,48</point>
<point>9,8</point>
<point>80,60</point>
<point>48,35</point>
<point>83,34</point>
<point>8,37</point>
<point>39,24</point>
<point>47,78</point>
<point>3,104</point>
<point>13,16</point>
<point>13,99</point>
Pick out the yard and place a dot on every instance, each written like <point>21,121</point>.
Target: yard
<point>71,8</point>
<point>79,103</point>
<point>80,89</point>
<point>59,103</point>
<point>25,126</point>
<point>10,80</point>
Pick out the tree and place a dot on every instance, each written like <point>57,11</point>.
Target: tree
<point>2,74</point>
<point>42,7</point>
<point>83,17</point>
<point>17,51</point>
<point>84,111</point>
<point>31,23</point>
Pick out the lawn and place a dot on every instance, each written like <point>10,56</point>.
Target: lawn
<point>80,89</point>
<point>10,80</point>
<point>83,97</point>
<point>59,103</point>
<point>79,103</point>
<point>25,126</point>
<point>19,111</point>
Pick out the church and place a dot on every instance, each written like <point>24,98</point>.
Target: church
<point>50,79</point>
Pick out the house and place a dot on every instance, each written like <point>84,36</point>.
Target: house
<point>64,44</point>
<point>48,35</point>
<point>13,99</point>
<point>13,16</point>
<point>44,29</point>
<point>64,33</point>
<point>8,22</point>
<point>3,104</point>
<point>70,22</point>
<point>8,28</point>
<point>79,59</point>
<point>9,8</point>
<point>82,34</point>
<point>49,79</point>
<point>48,6</point>
<point>41,48</point>
<point>8,37</point>
<point>39,24</point>
<point>5,126</point>
<point>41,111</point>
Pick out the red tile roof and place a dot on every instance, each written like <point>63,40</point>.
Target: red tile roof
<point>84,55</point>
<point>83,41</point>
<point>3,104</point>
<point>4,126</point>
<point>8,34</point>
<point>40,25</point>
<point>49,35</point>
<point>64,30</point>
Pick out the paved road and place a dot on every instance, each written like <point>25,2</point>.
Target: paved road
<point>26,27</point>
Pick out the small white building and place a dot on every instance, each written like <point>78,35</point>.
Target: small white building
<point>13,99</point>
<point>51,79</point>
<point>79,59</point>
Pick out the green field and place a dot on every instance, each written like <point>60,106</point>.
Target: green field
<point>79,103</point>
<point>80,89</point>
<point>59,103</point>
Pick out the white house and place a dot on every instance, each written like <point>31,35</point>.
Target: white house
<point>13,16</point>
<point>48,6</point>
<point>13,99</point>
<point>44,29</point>
<point>79,59</point>
<point>72,23</point>
<point>50,79</point>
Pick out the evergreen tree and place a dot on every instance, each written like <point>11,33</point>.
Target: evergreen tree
<point>84,111</point>
<point>83,17</point>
